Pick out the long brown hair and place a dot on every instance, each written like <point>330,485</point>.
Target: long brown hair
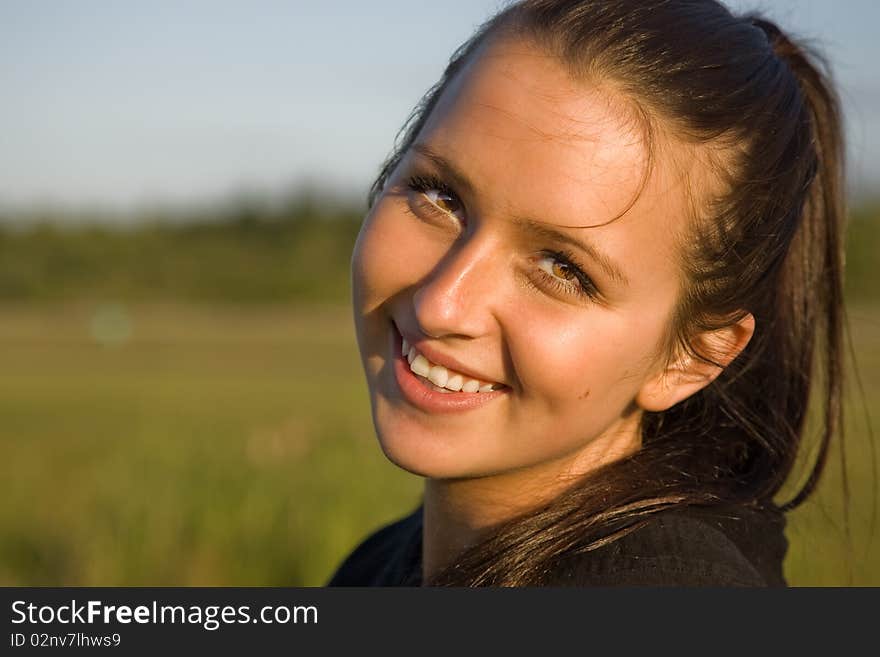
<point>768,242</point>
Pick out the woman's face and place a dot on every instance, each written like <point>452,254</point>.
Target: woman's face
<point>476,254</point>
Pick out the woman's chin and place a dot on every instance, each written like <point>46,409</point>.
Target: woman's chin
<point>422,448</point>
<point>433,456</point>
<point>420,459</point>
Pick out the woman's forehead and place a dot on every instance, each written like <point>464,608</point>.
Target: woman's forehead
<point>530,136</point>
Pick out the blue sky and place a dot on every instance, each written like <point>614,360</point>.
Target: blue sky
<point>119,104</point>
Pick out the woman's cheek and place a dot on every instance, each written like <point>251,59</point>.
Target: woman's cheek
<point>569,366</point>
<point>378,260</point>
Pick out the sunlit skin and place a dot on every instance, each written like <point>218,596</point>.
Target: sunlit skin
<point>468,275</point>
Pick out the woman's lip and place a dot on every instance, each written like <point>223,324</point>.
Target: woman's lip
<point>421,396</point>
<point>437,358</point>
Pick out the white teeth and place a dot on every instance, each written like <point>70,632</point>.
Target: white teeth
<point>455,382</point>
<point>420,365</point>
<point>471,385</point>
<point>438,375</point>
<point>404,348</point>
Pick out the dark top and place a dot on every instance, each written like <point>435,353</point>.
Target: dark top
<point>675,548</point>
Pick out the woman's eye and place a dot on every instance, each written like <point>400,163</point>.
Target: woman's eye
<point>442,200</point>
<point>438,195</point>
<point>562,273</point>
<point>445,202</point>
<point>558,269</point>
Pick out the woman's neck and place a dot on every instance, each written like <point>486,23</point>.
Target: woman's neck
<point>459,513</point>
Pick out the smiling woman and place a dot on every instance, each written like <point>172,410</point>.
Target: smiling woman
<point>587,297</point>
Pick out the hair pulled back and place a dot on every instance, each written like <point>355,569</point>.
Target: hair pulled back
<point>767,241</point>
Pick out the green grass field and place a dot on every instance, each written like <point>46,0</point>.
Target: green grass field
<point>184,445</point>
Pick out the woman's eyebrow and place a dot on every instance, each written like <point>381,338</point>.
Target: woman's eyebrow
<point>538,229</point>
<point>449,170</point>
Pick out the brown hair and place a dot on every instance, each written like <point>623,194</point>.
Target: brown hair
<point>769,243</point>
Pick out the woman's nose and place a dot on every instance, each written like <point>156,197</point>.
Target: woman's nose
<point>458,296</point>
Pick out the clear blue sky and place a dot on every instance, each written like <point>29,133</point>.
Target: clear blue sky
<point>121,103</point>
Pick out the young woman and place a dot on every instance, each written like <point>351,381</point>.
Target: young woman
<point>588,296</point>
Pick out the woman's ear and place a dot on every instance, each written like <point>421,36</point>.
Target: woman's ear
<point>687,375</point>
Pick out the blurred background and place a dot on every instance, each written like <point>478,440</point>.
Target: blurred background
<point>181,400</point>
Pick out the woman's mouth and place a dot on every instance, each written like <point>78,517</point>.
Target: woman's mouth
<point>440,378</point>
<point>435,388</point>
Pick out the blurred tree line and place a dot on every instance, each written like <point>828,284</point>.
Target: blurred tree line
<point>863,252</point>
<point>298,250</point>
<point>245,252</point>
